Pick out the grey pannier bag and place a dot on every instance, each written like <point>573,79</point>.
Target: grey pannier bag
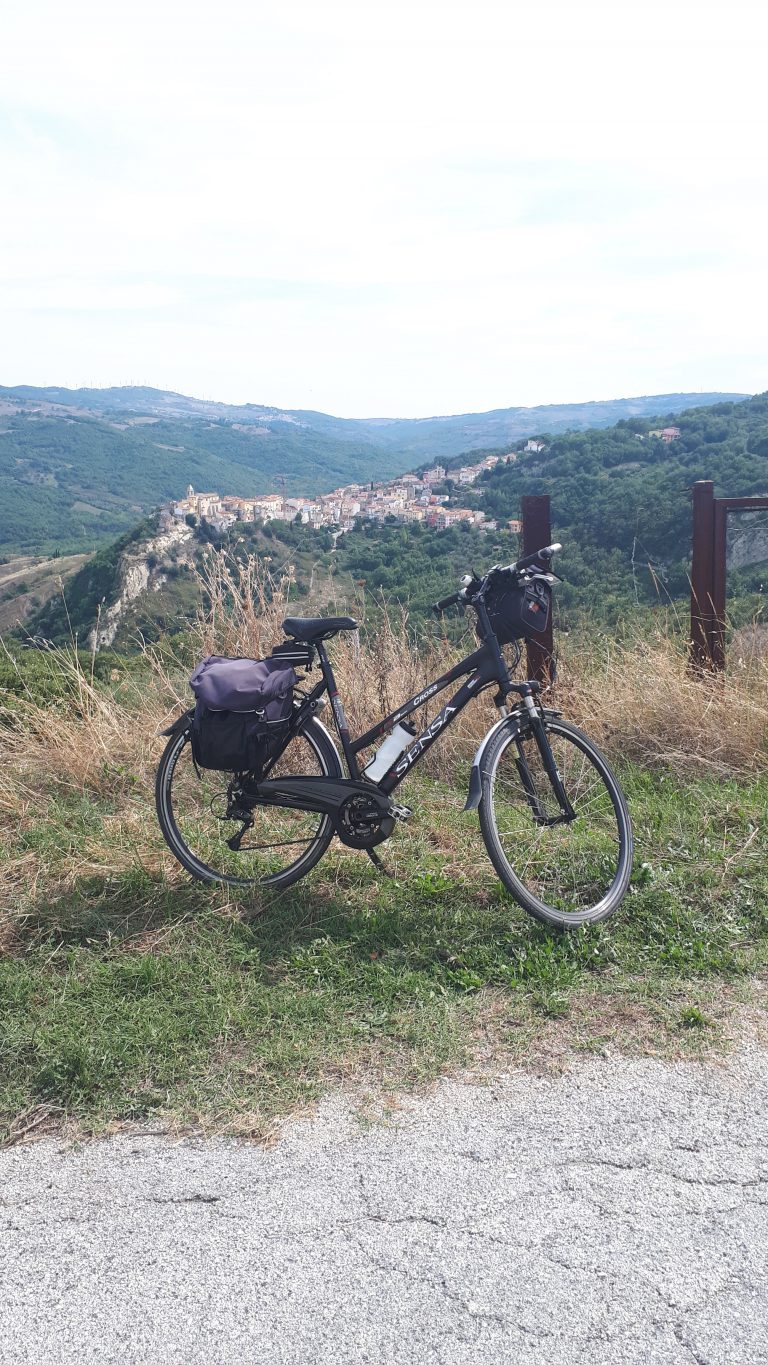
<point>242,710</point>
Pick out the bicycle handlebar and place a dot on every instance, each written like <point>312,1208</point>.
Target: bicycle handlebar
<point>446,602</point>
<point>544,555</point>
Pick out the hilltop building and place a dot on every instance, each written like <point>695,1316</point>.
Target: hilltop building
<point>408,498</point>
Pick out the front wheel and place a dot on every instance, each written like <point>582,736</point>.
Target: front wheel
<point>566,873</point>
<point>196,808</point>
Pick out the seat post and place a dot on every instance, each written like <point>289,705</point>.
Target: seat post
<point>338,711</point>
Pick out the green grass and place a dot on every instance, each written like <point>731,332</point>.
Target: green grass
<point>130,994</point>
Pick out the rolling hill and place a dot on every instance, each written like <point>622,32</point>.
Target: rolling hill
<point>620,505</point>
<point>77,467</point>
<point>621,498</point>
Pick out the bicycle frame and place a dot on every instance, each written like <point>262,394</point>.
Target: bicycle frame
<point>484,667</point>
<point>483,670</point>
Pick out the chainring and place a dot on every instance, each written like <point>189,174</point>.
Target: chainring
<point>362,822</point>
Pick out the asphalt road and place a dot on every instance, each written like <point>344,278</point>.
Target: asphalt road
<point>619,1214</point>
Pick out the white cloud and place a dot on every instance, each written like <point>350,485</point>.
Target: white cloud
<point>392,209</point>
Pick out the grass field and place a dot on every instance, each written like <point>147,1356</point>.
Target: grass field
<point>130,995</point>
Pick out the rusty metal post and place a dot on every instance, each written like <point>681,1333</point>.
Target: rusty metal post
<point>537,532</point>
<point>719,547</point>
<point>702,575</point>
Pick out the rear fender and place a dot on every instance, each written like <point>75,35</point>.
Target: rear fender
<point>182,722</point>
<point>327,734</point>
<point>514,723</point>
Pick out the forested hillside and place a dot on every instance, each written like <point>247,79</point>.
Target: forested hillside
<point>70,482</point>
<point>620,505</point>
<point>79,466</point>
<point>443,438</point>
<point>373,567</point>
<point>621,498</point>
<point>433,437</point>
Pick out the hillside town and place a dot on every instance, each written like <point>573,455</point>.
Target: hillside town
<point>408,498</point>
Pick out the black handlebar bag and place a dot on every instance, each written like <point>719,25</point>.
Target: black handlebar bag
<point>518,611</point>
<point>242,711</point>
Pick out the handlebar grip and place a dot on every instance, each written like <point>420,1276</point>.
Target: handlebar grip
<point>446,602</point>
<point>545,553</point>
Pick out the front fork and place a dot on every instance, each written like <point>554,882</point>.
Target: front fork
<point>538,729</point>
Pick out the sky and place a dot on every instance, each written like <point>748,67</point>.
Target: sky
<point>385,209</point>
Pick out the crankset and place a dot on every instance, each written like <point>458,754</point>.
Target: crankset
<point>362,823</point>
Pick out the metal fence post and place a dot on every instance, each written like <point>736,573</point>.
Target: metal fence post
<point>537,532</point>
<point>702,574</point>
<point>719,547</point>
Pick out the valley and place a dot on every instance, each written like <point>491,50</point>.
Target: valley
<point>79,467</point>
<point>27,582</point>
<point>620,502</point>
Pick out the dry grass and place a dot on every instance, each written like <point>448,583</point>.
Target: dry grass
<point>638,700</point>
<point>87,741</point>
<point>618,1021</point>
<point>641,701</point>
<point>245,607</point>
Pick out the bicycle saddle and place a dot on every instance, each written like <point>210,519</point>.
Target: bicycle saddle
<point>317,627</point>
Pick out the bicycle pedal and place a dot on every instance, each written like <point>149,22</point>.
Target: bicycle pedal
<point>400,812</point>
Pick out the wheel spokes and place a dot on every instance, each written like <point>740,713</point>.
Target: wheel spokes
<point>196,793</point>
<point>568,865</point>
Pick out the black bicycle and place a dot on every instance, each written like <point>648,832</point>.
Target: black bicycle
<point>552,814</point>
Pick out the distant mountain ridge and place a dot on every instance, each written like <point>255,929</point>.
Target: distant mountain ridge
<point>78,466</point>
<point>439,435</point>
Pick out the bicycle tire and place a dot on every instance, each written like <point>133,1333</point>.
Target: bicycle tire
<point>574,873</point>
<point>174,804</point>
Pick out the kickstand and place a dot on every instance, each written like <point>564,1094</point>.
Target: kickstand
<point>378,864</point>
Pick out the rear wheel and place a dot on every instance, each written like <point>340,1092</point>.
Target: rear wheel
<point>566,873</point>
<point>280,847</point>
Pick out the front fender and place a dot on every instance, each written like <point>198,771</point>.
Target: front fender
<point>513,722</point>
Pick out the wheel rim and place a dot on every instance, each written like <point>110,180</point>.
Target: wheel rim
<point>572,868</point>
<point>194,800</point>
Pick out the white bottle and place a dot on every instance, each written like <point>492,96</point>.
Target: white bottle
<point>393,746</point>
